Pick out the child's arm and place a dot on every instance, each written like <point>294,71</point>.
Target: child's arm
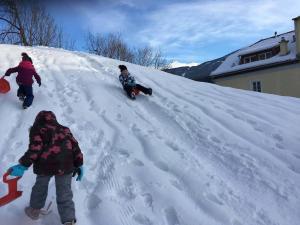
<point>11,70</point>
<point>121,79</point>
<point>37,78</point>
<point>34,149</point>
<point>77,154</point>
<point>131,81</point>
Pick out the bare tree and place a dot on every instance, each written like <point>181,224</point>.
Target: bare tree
<point>159,62</point>
<point>144,56</point>
<point>113,46</point>
<point>28,23</point>
<point>13,30</point>
<point>64,41</point>
<point>110,45</point>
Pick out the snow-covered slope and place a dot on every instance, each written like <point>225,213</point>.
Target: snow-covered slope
<point>192,154</point>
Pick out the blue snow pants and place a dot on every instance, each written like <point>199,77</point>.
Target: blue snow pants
<point>27,93</point>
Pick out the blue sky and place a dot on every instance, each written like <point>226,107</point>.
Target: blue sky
<point>187,31</point>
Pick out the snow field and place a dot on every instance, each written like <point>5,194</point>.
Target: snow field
<point>191,154</point>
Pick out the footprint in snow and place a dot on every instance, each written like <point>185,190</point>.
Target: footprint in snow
<point>177,184</point>
<point>296,156</point>
<point>215,140</point>
<point>119,117</point>
<point>161,165</point>
<point>137,162</point>
<point>127,191</point>
<point>171,216</point>
<point>214,199</point>
<point>277,137</point>
<point>142,219</point>
<point>294,168</point>
<point>148,200</point>
<point>279,146</point>
<point>135,128</point>
<point>93,202</point>
<point>123,153</point>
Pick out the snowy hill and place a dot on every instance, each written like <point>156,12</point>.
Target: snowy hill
<point>191,154</point>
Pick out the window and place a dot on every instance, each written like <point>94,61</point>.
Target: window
<point>256,86</point>
<point>246,60</point>
<point>257,57</point>
<point>269,55</point>
<point>253,58</point>
<point>262,56</point>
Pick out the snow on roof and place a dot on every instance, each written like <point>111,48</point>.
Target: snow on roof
<point>231,63</point>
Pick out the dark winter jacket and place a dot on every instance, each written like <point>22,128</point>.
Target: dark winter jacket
<point>52,148</point>
<point>25,72</point>
<point>127,80</point>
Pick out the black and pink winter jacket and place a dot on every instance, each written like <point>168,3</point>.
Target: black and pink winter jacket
<point>25,72</point>
<point>52,148</point>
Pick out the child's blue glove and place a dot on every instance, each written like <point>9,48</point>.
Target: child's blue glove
<point>17,170</point>
<point>79,172</point>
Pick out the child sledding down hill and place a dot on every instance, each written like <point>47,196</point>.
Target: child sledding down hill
<point>129,84</point>
<point>24,79</point>
<point>53,151</point>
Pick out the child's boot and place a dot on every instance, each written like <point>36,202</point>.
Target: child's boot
<point>32,213</point>
<point>22,98</point>
<point>132,95</point>
<point>70,223</point>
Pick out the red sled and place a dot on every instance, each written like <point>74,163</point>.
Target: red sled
<point>135,91</point>
<point>4,86</point>
<point>13,192</point>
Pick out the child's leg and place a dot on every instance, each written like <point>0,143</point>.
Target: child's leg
<point>143,89</point>
<point>29,96</point>
<point>64,197</point>
<point>128,90</point>
<point>39,192</point>
<point>21,91</point>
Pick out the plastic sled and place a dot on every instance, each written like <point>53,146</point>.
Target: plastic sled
<point>4,86</point>
<point>13,192</point>
<point>136,91</point>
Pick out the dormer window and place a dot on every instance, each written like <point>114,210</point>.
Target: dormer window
<point>265,55</point>
<point>251,58</point>
<point>257,56</point>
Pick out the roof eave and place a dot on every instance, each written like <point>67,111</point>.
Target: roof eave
<point>256,68</point>
<point>296,18</point>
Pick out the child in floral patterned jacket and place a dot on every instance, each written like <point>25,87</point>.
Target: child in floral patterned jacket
<point>53,151</point>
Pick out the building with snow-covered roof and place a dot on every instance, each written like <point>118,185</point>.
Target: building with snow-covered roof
<point>271,65</point>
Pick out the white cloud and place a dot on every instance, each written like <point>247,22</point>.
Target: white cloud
<point>210,21</point>
<point>189,29</point>
<point>108,21</point>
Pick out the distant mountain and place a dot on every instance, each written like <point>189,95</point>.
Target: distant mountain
<point>177,64</point>
<point>198,73</point>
